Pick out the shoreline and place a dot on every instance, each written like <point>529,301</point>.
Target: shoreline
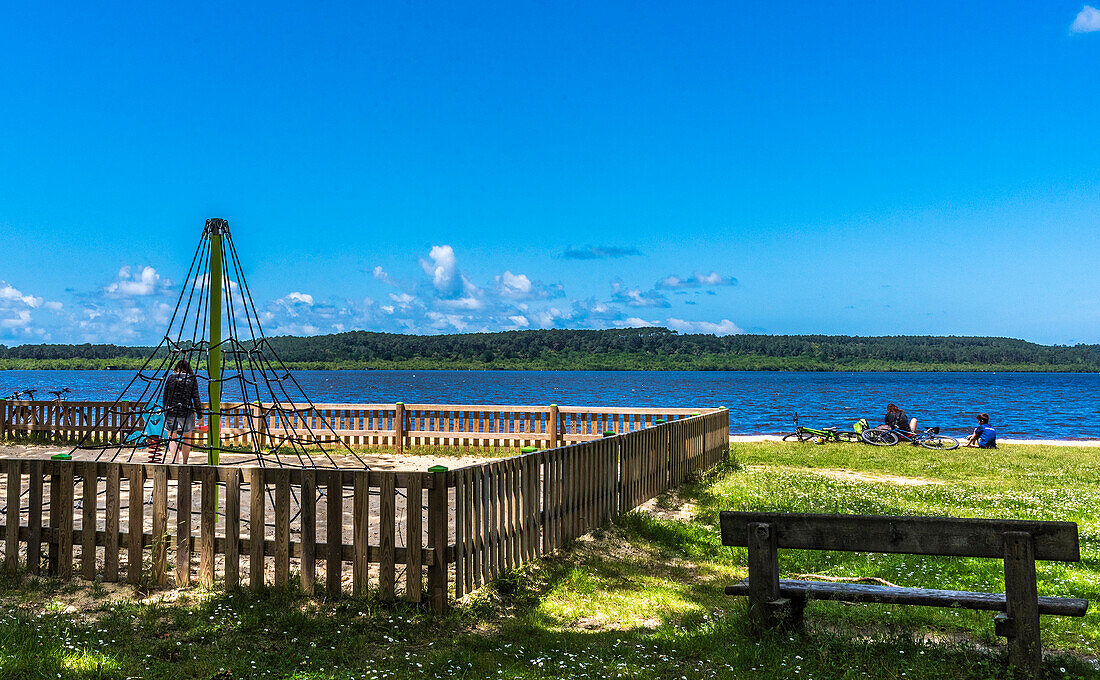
<point>1080,443</point>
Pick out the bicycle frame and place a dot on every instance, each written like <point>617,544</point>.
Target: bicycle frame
<point>825,434</point>
<point>914,437</point>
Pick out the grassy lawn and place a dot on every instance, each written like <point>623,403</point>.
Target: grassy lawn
<point>640,599</point>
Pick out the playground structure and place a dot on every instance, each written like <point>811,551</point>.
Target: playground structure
<point>215,327</point>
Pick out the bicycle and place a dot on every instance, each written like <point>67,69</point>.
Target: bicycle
<point>813,435</point>
<point>62,417</point>
<point>26,417</point>
<point>929,439</point>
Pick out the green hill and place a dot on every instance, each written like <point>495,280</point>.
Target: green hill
<point>620,349</point>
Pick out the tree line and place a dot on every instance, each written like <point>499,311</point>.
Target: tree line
<point>618,349</point>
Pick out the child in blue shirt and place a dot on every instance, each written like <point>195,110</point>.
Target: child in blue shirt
<point>984,437</point>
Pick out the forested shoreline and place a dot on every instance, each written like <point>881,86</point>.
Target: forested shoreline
<point>619,349</point>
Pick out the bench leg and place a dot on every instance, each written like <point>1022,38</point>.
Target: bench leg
<point>1025,650</point>
<point>767,608</point>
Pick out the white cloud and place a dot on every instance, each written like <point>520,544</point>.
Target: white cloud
<point>137,282</point>
<point>598,253</point>
<point>441,268</point>
<point>9,292</point>
<point>25,317</point>
<point>468,302</point>
<point>298,298</point>
<point>723,327</point>
<point>1087,21</point>
<point>203,282</point>
<point>514,285</point>
<point>21,319</point>
<point>447,321</point>
<point>133,310</point>
<point>696,280</point>
<point>635,297</point>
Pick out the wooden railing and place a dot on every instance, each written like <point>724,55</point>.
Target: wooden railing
<point>358,425</point>
<point>400,531</point>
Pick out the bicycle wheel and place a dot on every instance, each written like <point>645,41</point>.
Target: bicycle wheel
<point>849,437</point>
<point>804,437</point>
<point>940,441</point>
<point>879,437</point>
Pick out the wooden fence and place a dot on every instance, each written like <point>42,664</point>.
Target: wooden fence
<point>403,533</point>
<point>359,425</point>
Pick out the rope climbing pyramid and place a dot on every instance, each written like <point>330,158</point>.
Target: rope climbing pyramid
<point>258,413</point>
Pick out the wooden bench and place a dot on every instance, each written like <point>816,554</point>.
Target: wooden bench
<point>774,601</point>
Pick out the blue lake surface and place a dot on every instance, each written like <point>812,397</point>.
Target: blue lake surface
<point>1024,405</point>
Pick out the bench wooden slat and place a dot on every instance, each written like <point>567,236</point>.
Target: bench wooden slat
<point>946,536</point>
<point>863,592</point>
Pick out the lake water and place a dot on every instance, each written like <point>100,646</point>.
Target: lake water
<point>1024,405</point>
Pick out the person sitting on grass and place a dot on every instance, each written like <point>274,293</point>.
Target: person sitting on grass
<point>984,437</point>
<point>898,420</point>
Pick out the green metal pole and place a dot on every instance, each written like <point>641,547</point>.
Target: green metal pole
<point>214,358</point>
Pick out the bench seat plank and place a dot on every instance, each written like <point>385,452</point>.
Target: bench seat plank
<point>862,592</point>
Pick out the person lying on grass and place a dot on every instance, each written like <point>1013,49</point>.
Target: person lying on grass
<point>984,436</point>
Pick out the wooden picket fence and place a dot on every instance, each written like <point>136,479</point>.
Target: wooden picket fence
<point>397,425</point>
<point>404,533</point>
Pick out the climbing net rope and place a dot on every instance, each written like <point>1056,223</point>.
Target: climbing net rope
<point>277,424</point>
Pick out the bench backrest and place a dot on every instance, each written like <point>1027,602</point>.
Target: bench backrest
<point>948,536</point>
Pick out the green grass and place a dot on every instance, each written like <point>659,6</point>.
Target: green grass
<point>640,599</point>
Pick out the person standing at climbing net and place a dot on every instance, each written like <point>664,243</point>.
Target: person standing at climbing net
<point>181,407</point>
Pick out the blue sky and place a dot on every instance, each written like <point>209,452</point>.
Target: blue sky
<point>854,168</point>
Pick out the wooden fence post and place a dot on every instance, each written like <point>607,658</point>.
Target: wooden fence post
<point>309,530</point>
<point>11,537</point>
<point>64,526</point>
<point>160,525</point>
<point>258,426</point>
<point>34,519</point>
<point>54,519</point>
<point>183,525</point>
<point>135,474</point>
<point>334,537</point>
<point>438,510</point>
<point>555,438</point>
<point>233,529</point>
<point>399,427</point>
<point>4,410</point>
<point>256,522</point>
